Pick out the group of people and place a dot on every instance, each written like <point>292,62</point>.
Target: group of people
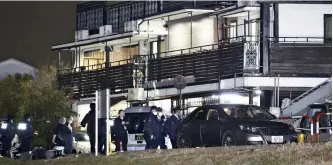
<point>156,128</point>
<point>14,137</point>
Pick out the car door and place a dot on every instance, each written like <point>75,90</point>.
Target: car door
<point>191,127</point>
<point>210,128</point>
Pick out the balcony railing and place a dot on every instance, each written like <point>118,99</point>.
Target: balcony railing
<point>300,56</point>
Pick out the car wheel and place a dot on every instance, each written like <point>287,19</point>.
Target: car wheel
<point>74,152</point>
<point>228,139</point>
<point>183,142</point>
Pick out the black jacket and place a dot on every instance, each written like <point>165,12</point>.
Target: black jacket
<point>152,126</point>
<point>63,134</point>
<point>119,127</point>
<point>28,133</point>
<point>172,124</point>
<point>90,120</point>
<point>9,133</point>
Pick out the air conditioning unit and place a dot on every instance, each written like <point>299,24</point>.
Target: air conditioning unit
<point>135,94</point>
<point>81,35</point>
<point>105,30</point>
<point>130,26</point>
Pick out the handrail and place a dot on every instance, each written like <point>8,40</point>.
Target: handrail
<point>317,125</point>
<point>310,90</point>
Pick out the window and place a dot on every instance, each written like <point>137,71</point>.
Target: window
<point>327,28</point>
<point>198,114</point>
<point>213,115</point>
<point>244,112</point>
<point>233,29</point>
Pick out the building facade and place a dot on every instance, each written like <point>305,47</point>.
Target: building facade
<point>247,52</point>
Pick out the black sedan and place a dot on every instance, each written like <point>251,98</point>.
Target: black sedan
<point>228,125</point>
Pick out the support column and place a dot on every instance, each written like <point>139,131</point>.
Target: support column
<point>191,30</point>
<point>251,97</point>
<point>59,60</point>
<point>276,22</point>
<point>265,28</point>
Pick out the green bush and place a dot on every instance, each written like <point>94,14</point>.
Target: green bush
<point>40,97</point>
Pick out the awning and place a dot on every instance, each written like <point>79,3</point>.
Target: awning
<point>93,41</point>
<point>139,109</point>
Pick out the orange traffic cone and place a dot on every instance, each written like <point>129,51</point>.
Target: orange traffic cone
<point>121,146</point>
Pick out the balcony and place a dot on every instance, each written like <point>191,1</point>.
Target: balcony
<point>205,64</point>
<point>300,56</point>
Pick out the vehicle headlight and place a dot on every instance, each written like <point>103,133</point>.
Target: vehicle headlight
<point>248,128</point>
<point>4,126</point>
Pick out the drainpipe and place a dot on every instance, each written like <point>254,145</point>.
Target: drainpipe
<point>274,93</point>
<point>278,91</point>
<point>59,60</point>
<point>191,29</point>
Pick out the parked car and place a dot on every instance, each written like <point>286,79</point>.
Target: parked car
<point>227,125</point>
<point>81,144</point>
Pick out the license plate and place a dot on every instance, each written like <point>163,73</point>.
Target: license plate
<point>139,137</point>
<point>277,139</point>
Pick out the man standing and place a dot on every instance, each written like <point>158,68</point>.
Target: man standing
<point>172,124</point>
<point>71,137</point>
<point>25,134</point>
<point>120,132</point>
<point>152,129</point>
<point>162,134</point>
<point>90,120</point>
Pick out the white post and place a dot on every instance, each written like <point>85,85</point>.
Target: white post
<point>108,131</point>
<point>96,122</point>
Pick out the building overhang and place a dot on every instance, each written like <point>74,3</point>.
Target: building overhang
<point>179,14</point>
<point>242,82</point>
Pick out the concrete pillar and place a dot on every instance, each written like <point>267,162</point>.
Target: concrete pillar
<point>265,26</point>
<point>251,97</point>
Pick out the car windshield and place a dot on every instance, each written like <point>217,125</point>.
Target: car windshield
<point>81,136</point>
<point>256,113</point>
<point>135,122</point>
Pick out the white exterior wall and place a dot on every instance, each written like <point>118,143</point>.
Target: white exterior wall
<point>203,32</point>
<point>302,20</point>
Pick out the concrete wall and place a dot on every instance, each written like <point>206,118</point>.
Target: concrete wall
<point>302,20</point>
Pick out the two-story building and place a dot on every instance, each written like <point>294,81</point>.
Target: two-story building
<point>248,52</point>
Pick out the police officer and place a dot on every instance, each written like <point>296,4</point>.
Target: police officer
<point>90,120</point>
<point>172,124</point>
<point>120,131</point>
<point>7,134</point>
<point>25,133</point>
<point>162,133</point>
<point>152,129</point>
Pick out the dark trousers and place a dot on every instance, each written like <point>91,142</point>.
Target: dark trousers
<point>26,145</point>
<point>173,143</point>
<point>92,143</point>
<point>124,140</point>
<point>161,141</point>
<point>69,145</point>
<point>6,145</point>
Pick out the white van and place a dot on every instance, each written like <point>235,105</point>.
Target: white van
<point>135,119</point>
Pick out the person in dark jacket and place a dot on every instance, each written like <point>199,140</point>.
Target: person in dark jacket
<point>25,133</point>
<point>172,124</point>
<point>90,120</point>
<point>152,129</point>
<point>70,139</point>
<point>120,132</point>
<point>162,131</point>
<point>61,135</point>
<point>7,134</point>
